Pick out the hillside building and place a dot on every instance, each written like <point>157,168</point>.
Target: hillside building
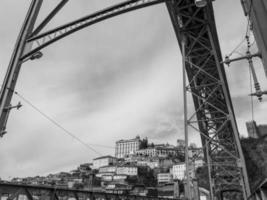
<point>159,151</point>
<point>178,171</point>
<point>103,161</point>
<point>127,170</point>
<point>127,147</point>
<point>164,178</point>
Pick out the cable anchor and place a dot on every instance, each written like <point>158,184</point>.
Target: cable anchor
<point>18,106</point>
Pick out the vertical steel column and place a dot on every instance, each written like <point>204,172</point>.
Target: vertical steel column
<point>15,62</point>
<point>209,169</point>
<point>188,191</point>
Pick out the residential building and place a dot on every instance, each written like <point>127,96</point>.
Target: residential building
<point>150,163</point>
<point>107,178</point>
<point>166,191</point>
<point>127,147</point>
<point>127,170</point>
<point>107,169</point>
<point>103,161</point>
<point>119,178</point>
<point>164,178</point>
<point>158,151</point>
<point>178,171</point>
<point>85,167</point>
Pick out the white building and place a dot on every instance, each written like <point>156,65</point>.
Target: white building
<point>127,147</point>
<point>127,170</point>
<point>107,169</point>
<point>158,151</point>
<point>150,163</point>
<point>107,177</point>
<point>178,171</point>
<point>164,178</point>
<point>103,161</point>
<point>119,177</point>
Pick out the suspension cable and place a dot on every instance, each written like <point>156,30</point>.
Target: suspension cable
<point>57,124</point>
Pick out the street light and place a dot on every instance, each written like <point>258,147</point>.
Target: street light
<point>201,3</point>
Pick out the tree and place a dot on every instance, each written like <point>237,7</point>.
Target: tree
<point>255,153</point>
<point>144,143</point>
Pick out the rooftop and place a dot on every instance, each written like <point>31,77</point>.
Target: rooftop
<point>102,157</point>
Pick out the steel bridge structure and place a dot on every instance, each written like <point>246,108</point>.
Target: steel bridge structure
<point>38,192</point>
<point>196,33</point>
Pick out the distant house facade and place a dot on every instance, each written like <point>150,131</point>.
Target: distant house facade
<point>103,161</point>
<point>159,151</point>
<point>164,178</point>
<point>127,170</point>
<point>178,171</point>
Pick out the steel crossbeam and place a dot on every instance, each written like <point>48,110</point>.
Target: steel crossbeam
<point>208,86</point>
<point>41,192</point>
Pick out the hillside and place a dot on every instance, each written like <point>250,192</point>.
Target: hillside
<point>255,152</point>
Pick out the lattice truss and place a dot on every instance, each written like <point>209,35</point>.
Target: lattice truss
<point>38,41</point>
<point>213,117</point>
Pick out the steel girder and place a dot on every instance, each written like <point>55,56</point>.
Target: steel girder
<point>38,192</point>
<point>39,41</point>
<point>214,116</point>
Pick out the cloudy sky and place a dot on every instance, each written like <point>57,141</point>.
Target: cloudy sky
<point>114,80</point>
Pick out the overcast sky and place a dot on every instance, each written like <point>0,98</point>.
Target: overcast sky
<point>114,80</point>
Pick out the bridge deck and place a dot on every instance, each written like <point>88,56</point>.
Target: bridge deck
<point>42,192</point>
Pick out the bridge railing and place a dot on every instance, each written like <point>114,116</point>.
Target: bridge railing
<point>10,191</point>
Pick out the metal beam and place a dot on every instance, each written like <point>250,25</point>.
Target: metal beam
<point>13,70</point>
<point>44,39</point>
<point>49,17</point>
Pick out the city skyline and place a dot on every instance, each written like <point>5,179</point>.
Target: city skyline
<point>106,82</point>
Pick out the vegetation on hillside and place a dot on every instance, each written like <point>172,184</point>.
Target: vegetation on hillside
<point>255,152</point>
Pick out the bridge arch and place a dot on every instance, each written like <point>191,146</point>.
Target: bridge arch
<point>42,40</point>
